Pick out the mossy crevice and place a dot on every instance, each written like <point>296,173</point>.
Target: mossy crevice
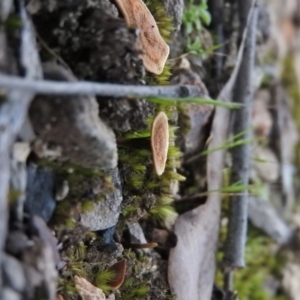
<point>144,191</point>
<point>166,28</point>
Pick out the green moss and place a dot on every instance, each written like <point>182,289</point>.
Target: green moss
<point>164,77</point>
<point>289,80</point>
<point>166,28</point>
<point>139,284</point>
<point>261,263</point>
<point>249,283</point>
<point>163,21</point>
<point>103,278</point>
<point>144,191</point>
<point>75,267</point>
<point>13,196</point>
<point>81,180</point>
<point>161,211</point>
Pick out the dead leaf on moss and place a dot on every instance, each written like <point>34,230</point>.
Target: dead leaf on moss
<point>119,271</point>
<point>87,291</point>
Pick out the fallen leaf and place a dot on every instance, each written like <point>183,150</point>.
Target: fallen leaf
<point>191,268</point>
<point>119,270</point>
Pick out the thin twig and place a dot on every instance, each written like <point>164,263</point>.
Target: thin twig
<point>93,88</point>
<point>228,281</point>
<point>217,7</point>
<point>237,226</point>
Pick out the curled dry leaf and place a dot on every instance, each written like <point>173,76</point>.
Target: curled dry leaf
<point>87,291</point>
<point>160,142</point>
<point>155,49</point>
<point>119,271</point>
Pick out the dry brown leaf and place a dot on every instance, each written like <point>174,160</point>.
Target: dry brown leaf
<point>155,50</point>
<point>192,262</point>
<point>119,271</point>
<point>87,291</point>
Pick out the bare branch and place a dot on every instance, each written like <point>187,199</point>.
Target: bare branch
<point>93,88</point>
<point>237,227</point>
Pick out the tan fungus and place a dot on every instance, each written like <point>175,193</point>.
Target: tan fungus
<point>160,142</point>
<point>155,49</point>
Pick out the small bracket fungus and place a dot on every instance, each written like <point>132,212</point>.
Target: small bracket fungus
<point>155,49</point>
<point>160,142</point>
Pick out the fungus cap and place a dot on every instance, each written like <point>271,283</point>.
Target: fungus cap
<point>155,49</point>
<point>160,142</point>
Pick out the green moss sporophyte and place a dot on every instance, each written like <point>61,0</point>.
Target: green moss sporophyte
<point>158,142</point>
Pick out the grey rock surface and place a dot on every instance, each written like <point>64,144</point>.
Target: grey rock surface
<point>107,235</point>
<point>5,9</point>
<point>105,214</point>
<point>14,109</point>
<point>41,274</point>
<point>137,234</point>
<point>40,199</point>
<point>174,9</point>
<point>13,273</point>
<point>10,294</point>
<point>17,242</point>
<point>47,236</point>
<point>73,125</point>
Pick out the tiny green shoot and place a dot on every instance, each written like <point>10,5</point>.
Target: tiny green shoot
<point>171,101</point>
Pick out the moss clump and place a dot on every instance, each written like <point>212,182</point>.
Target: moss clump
<point>75,267</point>
<point>261,264</point>
<point>163,21</point>
<point>289,81</point>
<point>250,282</point>
<point>102,279</point>
<point>144,191</point>
<point>166,28</point>
<point>89,259</point>
<point>139,281</point>
<point>87,186</point>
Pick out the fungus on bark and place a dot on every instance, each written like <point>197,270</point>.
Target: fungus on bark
<point>160,142</point>
<point>155,49</point>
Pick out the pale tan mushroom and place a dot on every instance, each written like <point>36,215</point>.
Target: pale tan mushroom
<point>160,142</point>
<point>155,49</point>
